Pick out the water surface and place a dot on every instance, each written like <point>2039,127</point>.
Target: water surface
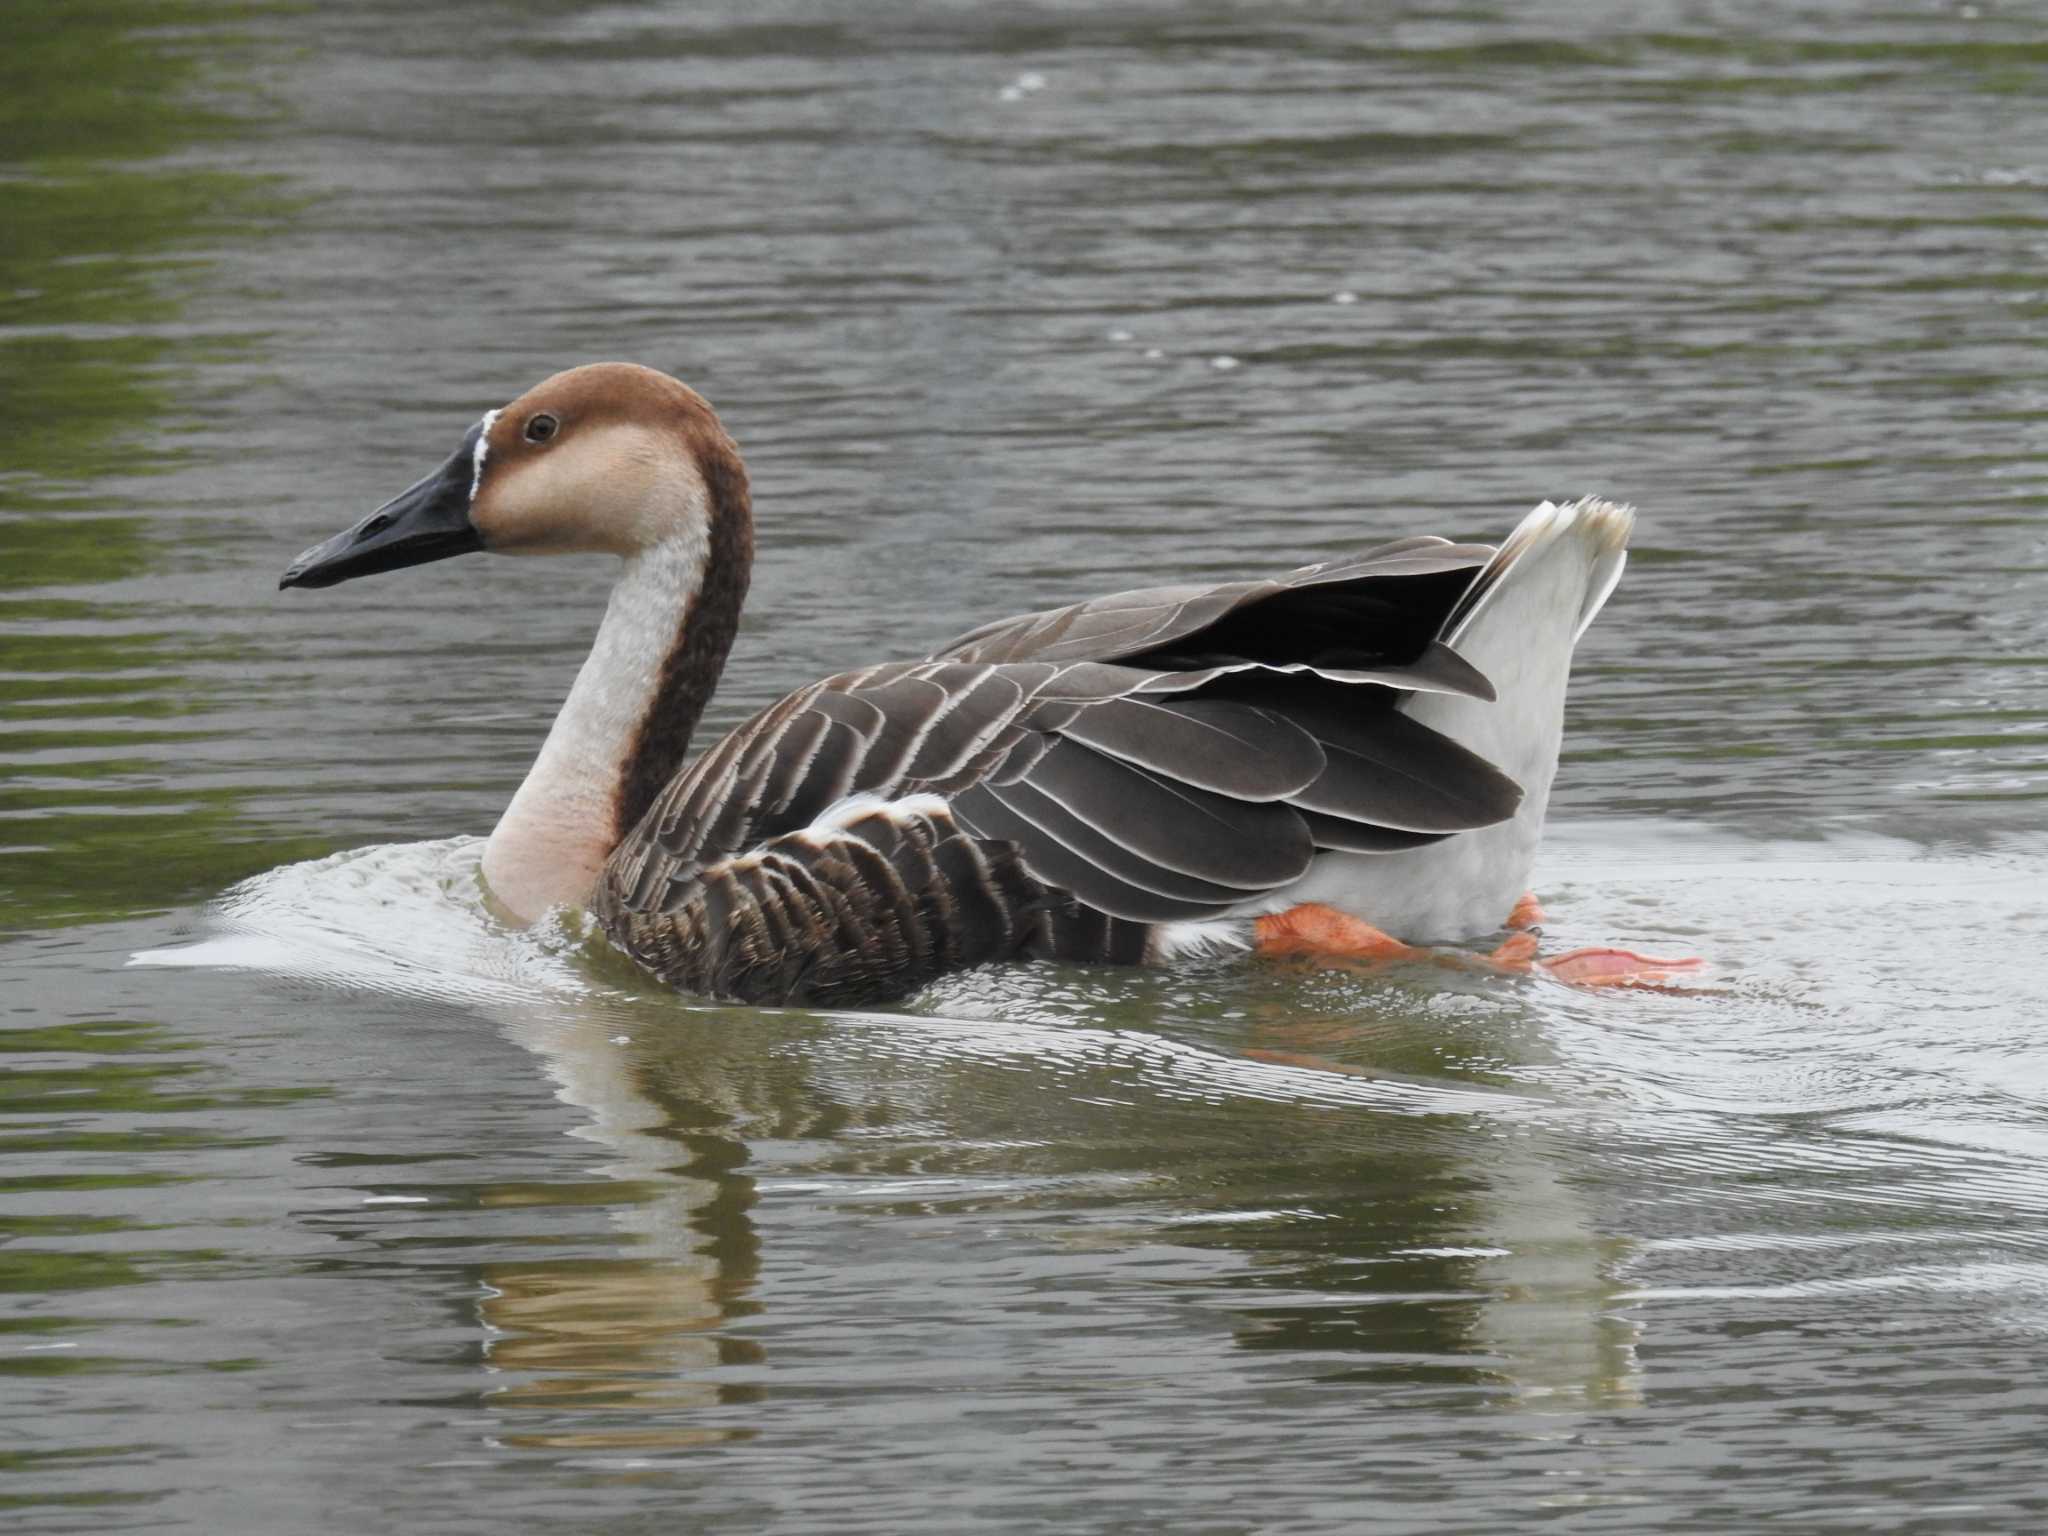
<point>328,1204</point>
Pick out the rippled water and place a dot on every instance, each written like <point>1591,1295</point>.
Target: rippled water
<point>326,1204</point>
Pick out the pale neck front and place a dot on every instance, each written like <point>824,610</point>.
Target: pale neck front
<point>554,837</point>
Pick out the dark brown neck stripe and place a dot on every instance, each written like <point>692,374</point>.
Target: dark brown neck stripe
<point>704,633</point>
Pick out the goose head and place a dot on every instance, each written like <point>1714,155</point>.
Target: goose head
<point>610,458</point>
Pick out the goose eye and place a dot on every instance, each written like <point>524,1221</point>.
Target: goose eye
<point>541,427</point>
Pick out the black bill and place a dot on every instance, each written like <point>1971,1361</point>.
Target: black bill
<point>427,521</point>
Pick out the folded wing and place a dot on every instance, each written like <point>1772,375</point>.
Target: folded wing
<point>1151,756</point>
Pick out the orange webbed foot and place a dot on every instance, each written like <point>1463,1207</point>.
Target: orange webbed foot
<point>1604,967</point>
<point>1314,929</point>
<point>1595,967</point>
<point>1329,934</point>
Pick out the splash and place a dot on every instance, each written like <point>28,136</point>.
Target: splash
<point>405,918</point>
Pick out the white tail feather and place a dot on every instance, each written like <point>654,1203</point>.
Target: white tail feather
<point>1517,623</point>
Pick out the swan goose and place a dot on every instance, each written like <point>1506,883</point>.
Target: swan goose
<point>1353,756</point>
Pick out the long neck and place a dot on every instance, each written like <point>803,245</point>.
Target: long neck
<point>627,722</point>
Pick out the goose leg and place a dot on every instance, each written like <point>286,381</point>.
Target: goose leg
<point>1314,929</point>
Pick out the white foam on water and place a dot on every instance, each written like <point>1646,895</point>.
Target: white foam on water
<point>409,919</point>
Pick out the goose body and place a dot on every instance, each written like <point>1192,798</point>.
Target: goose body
<point>1127,779</point>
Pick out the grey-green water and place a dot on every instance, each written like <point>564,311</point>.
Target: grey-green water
<point>331,1207</point>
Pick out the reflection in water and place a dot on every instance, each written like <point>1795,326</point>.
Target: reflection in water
<point>1374,1216</point>
<point>1502,1249</point>
<point>616,1353</point>
<point>615,1350</point>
